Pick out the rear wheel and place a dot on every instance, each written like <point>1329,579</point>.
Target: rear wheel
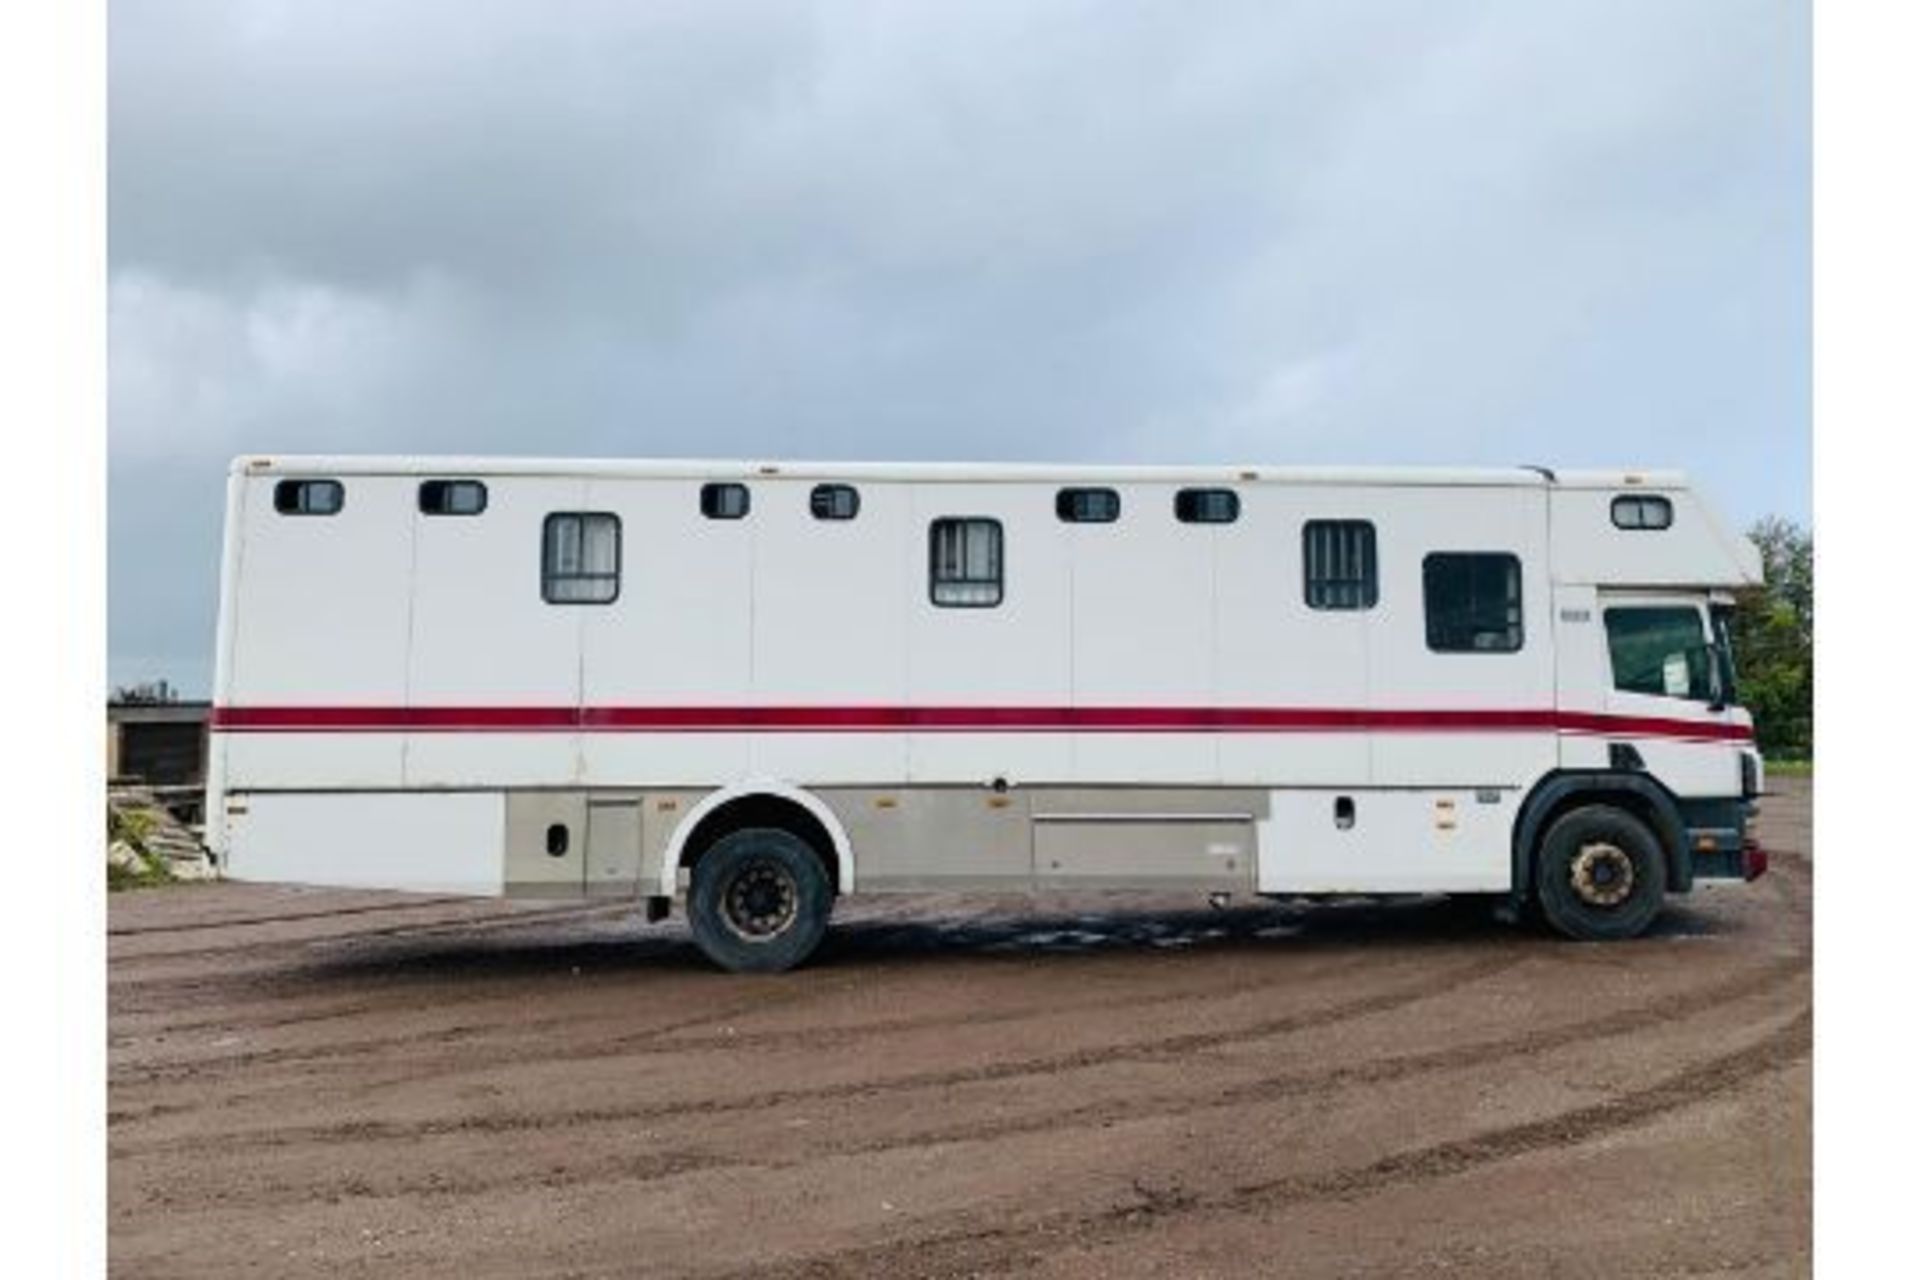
<point>1601,874</point>
<point>760,901</point>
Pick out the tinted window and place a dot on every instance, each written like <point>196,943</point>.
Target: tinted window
<point>1642,511</point>
<point>1206,506</point>
<point>724,501</point>
<point>580,558</point>
<point>1342,571</point>
<point>453,497</point>
<point>1472,601</point>
<point>835,502</point>
<point>965,565</point>
<point>1087,506</point>
<point>1661,651</point>
<point>309,497</point>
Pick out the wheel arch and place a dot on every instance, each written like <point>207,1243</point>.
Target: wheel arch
<point>758,802</point>
<point>1637,793</point>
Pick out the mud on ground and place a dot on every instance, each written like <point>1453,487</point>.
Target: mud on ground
<point>310,1083</point>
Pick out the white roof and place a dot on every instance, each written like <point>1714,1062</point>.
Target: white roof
<point>949,472</point>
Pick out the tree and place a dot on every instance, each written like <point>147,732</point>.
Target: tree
<point>1773,639</point>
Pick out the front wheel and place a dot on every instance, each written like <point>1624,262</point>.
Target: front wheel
<point>1601,875</point>
<point>760,901</point>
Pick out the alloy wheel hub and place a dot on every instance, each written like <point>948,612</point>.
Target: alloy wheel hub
<point>1602,874</point>
<point>761,901</point>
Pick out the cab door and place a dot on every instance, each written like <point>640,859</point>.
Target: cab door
<point>1665,698</point>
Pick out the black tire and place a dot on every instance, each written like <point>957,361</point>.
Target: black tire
<point>1600,875</point>
<point>760,901</point>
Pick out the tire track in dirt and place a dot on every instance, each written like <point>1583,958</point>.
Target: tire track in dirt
<point>758,1001</point>
<point>426,929</point>
<point>1381,1070</point>
<point>658,1041</point>
<point>1267,1089</point>
<point>131,1077</point>
<point>990,1250</point>
<point>1426,987</point>
<point>239,922</point>
<point>1635,1018</point>
<point>650,1042</point>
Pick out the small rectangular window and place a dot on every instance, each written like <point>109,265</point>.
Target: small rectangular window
<point>1642,511</point>
<point>1341,569</point>
<point>452,497</point>
<point>1206,506</point>
<point>309,497</point>
<point>580,558</point>
<point>1473,602</point>
<point>1087,506</point>
<point>1661,651</point>
<point>964,562</point>
<point>835,502</point>
<point>725,501</point>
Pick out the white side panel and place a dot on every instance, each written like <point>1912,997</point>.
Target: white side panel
<point>831,599</point>
<point>1581,676</point>
<point>680,635</point>
<point>1407,675</point>
<point>435,843</point>
<point>1142,631</point>
<point>1273,651</point>
<point>320,619</point>
<point>1014,655</point>
<point>483,637</point>
<point>1439,841</point>
<point>1692,768</point>
<point>305,761</point>
<point>230,547</point>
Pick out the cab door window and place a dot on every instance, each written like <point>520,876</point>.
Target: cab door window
<point>1661,651</point>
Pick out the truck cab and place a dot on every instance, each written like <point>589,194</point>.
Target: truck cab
<point>1653,733</point>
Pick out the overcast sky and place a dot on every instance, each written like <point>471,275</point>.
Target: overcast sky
<point>1485,231</point>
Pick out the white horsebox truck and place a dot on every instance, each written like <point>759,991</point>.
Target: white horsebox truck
<point>754,688</point>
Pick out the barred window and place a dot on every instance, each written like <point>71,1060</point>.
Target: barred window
<point>964,562</point>
<point>309,497</point>
<point>1342,571</point>
<point>725,501</point>
<point>1473,602</point>
<point>452,497</point>
<point>1642,511</point>
<point>1087,506</point>
<point>835,502</point>
<point>580,558</point>
<point>1206,506</point>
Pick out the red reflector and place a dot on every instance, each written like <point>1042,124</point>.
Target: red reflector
<point>1753,861</point>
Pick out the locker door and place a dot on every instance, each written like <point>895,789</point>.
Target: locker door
<point>547,844</point>
<point>613,846</point>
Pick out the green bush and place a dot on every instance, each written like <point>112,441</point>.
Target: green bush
<point>131,827</point>
<point>1773,641</point>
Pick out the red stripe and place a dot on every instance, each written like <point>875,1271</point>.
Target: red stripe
<point>883,719</point>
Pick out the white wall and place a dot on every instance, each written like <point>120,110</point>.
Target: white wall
<point>325,604</point>
<point>1408,676</point>
<point>482,637</point>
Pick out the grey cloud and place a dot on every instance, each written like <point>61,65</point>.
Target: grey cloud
<point>1500,231</point>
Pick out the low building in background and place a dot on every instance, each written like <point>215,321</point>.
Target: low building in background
<point>161,744</point>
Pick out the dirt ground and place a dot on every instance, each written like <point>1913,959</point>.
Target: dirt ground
<point>309,1083</point>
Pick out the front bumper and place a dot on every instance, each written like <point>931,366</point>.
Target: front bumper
<point>1718,841</point>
